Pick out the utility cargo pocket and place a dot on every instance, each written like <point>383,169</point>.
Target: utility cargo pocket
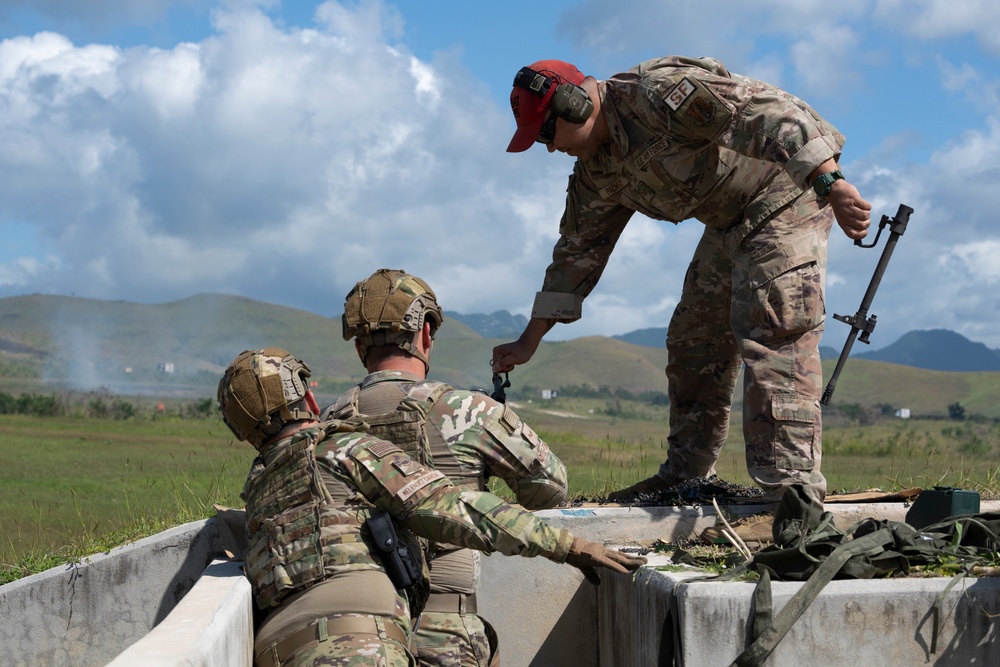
<point>786,289</point>
<point>794,433</point>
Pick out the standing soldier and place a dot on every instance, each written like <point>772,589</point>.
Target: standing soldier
<point>393,317</point>
<point>325,561</point>
<point>677,138</point>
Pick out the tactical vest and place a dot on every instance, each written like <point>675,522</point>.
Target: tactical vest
<point>400,416</point>
<point>300,530</point>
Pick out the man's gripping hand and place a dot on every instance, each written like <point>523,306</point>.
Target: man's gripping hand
<point>852,212</point>
<point>588,556</point>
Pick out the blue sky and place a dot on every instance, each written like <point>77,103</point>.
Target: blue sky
<point>155,149</point>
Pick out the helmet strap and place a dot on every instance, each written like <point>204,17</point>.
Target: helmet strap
<point>415,351</point>
<point>396,338</point>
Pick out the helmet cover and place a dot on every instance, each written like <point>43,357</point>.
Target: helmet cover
<point>258,389</point>
<point>390,307</point>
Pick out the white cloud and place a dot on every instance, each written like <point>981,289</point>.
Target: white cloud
<point>937,19</point>
<point>754,39</point>
<point>24,270</point>
<point>820,58</point>
<point>265,157</point>
<point>169,82</point>
<point>943,271</point>
<point>975,260</point>
<point>285,163</point>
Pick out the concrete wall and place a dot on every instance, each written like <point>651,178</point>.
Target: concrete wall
<point>86,613</point>
<point>658,619</point>
<point>636,619</point>
<point>546,614</point>
<point>870,622</point>
<point>211,627</point>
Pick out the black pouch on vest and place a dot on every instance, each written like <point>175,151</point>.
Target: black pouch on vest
<point>403,567</point>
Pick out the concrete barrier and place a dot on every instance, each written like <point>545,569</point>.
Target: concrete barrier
<point>211,627</point>
<point>86,613</point>
<point>658,618</point>
<point>124,607</point>
<point>547,615</point>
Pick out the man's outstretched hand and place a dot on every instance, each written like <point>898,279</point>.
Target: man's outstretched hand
<point>588,556</point>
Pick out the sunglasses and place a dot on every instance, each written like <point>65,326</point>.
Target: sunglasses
<point>548,130</point>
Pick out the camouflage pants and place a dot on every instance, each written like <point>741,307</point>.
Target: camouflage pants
<point>352,650</point>
<point>451,640</point>
<point>756,302</point>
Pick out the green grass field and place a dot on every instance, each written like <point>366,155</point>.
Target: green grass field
<point>604,451</point>
<point>65,481</point>
<point>72,486</point>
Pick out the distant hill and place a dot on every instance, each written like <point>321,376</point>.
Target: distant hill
<point>138,348</point>
<point>55,341</point>
<point>87,342</point>
<point>655,337</point>
<point>827,352</point>
<point>499,324</point>
<point>937,350</point>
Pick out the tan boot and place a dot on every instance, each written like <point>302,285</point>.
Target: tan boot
<point>652,484</point>
<point>755,530</point>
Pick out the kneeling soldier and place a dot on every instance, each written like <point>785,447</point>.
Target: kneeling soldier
<point>335,579</point>
<point>393,317</point>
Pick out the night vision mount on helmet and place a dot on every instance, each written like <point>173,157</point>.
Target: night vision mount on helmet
<point>261,391</point>
<point>390,308</point>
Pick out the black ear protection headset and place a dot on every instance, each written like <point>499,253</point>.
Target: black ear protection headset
<point>569,101</point>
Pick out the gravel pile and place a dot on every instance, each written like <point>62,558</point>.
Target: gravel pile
<point>698,491</point>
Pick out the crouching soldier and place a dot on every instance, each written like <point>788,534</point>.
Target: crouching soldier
<point>336,580</point>
<point>393,317</point>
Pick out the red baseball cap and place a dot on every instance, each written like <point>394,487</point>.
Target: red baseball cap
<point>530,107</point>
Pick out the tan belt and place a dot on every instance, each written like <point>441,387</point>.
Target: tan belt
<point>452,603</point>
<point>274,654</point>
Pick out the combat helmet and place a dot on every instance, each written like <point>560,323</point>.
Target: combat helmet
<point>261,391</point>
<point>390,308</point>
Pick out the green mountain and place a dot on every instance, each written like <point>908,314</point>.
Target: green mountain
<point>130,347</point>
<point>654,337</point>
<point>935,349</point>
<point>86,342</point>
<point>183,346</point>
<point>938,350</point>
<point>499,324</point>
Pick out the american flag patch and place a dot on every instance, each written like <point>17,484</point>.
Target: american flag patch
<point>383,448</point>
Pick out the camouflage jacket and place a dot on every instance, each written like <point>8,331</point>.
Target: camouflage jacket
<point>470,437</point>
<point>343,474</point>
<point>303,525</point>
<point>473,437</point>
<point>688,139</point>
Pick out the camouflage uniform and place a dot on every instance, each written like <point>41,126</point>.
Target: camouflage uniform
<point>309,554</point>
<point>691,140</point>
<point>471,437</point>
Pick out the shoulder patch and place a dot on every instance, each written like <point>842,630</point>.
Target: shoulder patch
<point>702,110</point>
<point>510,420</point>
<point>679,93</point>
<point>383,448</point>
<point>697,107</point>
<point>407,491</point>
<point>407,466</point>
